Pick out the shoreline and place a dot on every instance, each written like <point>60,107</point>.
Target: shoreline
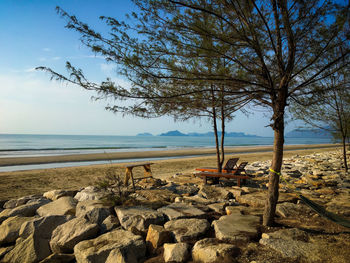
<point>134,156</point>
<point>21,183</point>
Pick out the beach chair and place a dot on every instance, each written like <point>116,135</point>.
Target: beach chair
<point>228,168</point>
<point>233,174</point>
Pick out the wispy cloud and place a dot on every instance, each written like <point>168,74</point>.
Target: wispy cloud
<point>46,49</point>
<point>30,70</point>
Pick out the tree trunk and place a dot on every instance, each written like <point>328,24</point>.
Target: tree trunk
<point>344,154</point>
<point>277,159</point>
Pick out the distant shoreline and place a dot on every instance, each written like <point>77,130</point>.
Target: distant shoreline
<point>134,156</point>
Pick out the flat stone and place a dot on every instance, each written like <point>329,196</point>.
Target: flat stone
<point>116,246</point>
<point>9,229</point>
<point>236,227</point>
<point>181,210</point>
<point>157,236</point>
<point>176,253</point>
<point>67,235</point>
<point>233,210</point>
<point>287,234</point>
<point>291,210</point>
<point>33,244</point>
<point>187,229</point>
<point>256,199</point>
<point>4,250</point>
<point>56,194</point>
<point>209,250</point>
<point>138,217</point>
<point>217,207</point>
<point>214,193</point>
<point>63,206</point>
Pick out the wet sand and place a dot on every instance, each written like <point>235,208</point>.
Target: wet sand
<point>21,183</point>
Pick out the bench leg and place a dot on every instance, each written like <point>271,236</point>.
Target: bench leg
<point>148,172</point>
<point>239,182</point>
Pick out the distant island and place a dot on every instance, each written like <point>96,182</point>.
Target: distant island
<point>207,134</point>
<point>144,134</point>
<point>309,133</point>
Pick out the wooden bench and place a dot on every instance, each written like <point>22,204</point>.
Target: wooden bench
<point>224,175</point>
<point>129,174</point>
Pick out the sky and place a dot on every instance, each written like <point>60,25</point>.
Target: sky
<point>32,35</point>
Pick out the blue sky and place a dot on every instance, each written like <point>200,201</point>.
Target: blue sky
<point>32,35</point>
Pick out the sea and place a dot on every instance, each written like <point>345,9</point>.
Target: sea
<point>33,145</point>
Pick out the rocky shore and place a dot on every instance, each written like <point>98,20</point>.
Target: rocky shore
<point>182,220</point>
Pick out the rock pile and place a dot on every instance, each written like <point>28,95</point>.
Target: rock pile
<point>175,222</point>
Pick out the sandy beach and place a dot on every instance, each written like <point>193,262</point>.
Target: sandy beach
<point>21,183</point>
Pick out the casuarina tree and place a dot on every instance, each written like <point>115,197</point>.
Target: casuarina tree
<point>274,51</point>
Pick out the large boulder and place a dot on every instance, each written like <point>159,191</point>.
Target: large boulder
<point>59,258</point>
<point>28,209</point>
<point>181,210</point>
<point>67,235</point>
<point>63,206</point>
<point>95,211</point>
<point>56,194</point>
<point>157,236</point>
<point>33,244</point>
<point>116,246</point>
<point>89,193</point>
<point>209,250</point>
<point>13,203</point>
<point>4,250</point>
<point>9,229</point>
<point>214,193</point>
<point>138,217</point>
<point>236,227</point>
<point>176,253</point>
<point>110,223</point>
<point>187,229</point>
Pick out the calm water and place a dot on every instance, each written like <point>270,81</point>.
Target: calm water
<point>15,145</point>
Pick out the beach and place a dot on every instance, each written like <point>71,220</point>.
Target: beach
<point>21,183</point>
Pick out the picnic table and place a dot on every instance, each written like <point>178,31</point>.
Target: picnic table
<point>128,172</point>
<point>224,175</point>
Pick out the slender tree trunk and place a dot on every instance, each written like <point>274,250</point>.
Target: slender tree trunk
<point>217,142</point>
<point>344,154</point>
<point>222,133</point>
<point>277,159</point>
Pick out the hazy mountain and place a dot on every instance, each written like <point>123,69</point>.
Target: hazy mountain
<point>144,134</point>
<point>309,133</point>
<point>207,134</point>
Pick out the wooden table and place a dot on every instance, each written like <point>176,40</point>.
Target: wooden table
<point>129,174</point>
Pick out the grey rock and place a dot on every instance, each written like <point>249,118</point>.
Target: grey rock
<point>236,227</point>
<point>115,246</point>
<point>110,223</point>
<point>67,235</point>
<point>10,204</point>
<point>56,194</point>
<point>138,217</point>
<point>209,250</point>
<point>63,206</point>
<point>187,229</point>
<point>181,210</point>
<point>287,209</point>
<point>217,207</point>
<point>176,253</point>
<point>89,193</point>
<point>216,194</point>
<point>95,211</point>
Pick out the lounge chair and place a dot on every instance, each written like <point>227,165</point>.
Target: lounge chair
<point>233,174</point>
<point>228,168</point>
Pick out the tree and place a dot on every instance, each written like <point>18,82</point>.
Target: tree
<point>276,51</point>
<point>329,110</point>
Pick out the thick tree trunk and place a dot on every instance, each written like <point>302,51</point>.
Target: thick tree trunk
<point>344,154</point>
<point>277,159</point>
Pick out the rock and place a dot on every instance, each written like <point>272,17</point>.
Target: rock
<point>116,246</point>
<point>95,211</point>
<point>232,210</point>
<point>56,194</point>
<point>216,194</point>
<point>209,250</point>
<point>89,193</point>
<point>28,209</point>
<point>256,199</point>
<point>187,229</point>
<point>138,217</point>
<point>236,192</point>
<point>4,250</point>
<point>63,206</point>
<point>217,207</point>
<point>181,210</point>
<point>196,199</point>
<point>13,203</point>
<point>157,236</point>
<point>110,223</point>
<point>67,235</point>
<point>9,229</point>
<point>293,173</point>
<point>33,244</point>
<point>176,253</point>
<point>291,210</point>
<point>236,227</point>
<point>59,258</point>
<point>288,243</point>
